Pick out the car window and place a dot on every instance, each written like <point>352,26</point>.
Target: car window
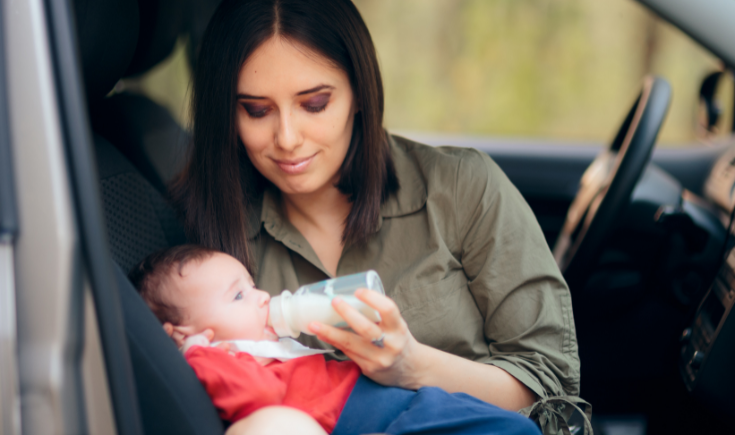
<point>565,70</point>
<point>548,69</point>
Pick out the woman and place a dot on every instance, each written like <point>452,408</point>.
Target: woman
<point>292,173</point>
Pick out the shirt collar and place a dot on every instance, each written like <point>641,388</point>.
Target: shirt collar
<point>266,213</point>
<point>410,197</point>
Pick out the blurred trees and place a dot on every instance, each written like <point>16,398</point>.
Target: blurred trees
<point>566,69</point>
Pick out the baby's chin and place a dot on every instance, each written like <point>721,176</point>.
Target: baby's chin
<point>269,334</point>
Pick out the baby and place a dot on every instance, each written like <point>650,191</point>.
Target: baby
<point>202,296</point>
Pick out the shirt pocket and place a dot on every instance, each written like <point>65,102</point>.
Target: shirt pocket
<point>443,315</point>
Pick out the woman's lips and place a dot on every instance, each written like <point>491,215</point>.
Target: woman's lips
<point>295,166</point>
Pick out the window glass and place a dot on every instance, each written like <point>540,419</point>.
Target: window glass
<point>168,83</point>
<point>565,69</point>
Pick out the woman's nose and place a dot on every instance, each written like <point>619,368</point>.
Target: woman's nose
<point>288,137</point>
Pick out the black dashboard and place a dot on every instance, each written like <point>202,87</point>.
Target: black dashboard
<point>720,185</point>
<point>708,344</point>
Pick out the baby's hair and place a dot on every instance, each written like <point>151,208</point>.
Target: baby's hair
<point>152,274</point>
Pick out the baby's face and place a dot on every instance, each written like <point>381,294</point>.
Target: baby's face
<point>219,294</point>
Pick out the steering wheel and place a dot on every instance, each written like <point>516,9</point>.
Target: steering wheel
<point>607,184</point>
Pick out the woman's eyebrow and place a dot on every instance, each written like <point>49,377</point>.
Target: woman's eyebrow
<point>315,89</point>
<point>308,91</point>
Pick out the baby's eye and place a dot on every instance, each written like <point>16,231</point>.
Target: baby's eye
<point>238,296</point>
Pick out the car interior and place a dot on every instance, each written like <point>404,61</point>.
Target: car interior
<point>651,264</point>
<point>135,143</point>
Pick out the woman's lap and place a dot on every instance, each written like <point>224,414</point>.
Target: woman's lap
<point>373,408</point>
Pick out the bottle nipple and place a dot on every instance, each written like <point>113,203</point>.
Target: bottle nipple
<point>279,315</point>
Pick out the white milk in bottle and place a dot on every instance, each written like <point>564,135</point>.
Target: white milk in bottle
<point>290,314</point>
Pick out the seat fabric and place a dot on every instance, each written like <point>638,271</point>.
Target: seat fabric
<point>145,133</point>
<point>139,221</point>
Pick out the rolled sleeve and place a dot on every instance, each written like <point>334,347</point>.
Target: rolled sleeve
<point>525,303</point>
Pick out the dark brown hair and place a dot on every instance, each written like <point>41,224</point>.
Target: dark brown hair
<point>152,274</point>
<point>218,188</point>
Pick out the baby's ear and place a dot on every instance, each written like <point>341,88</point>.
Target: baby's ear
<point>178,332</point>
<point>168,328</point>
<point>185,330</point>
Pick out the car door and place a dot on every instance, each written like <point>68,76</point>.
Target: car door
<point>64,366</point>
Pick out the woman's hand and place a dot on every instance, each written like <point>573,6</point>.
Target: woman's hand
<point>406,363</point>
<point>397,363</point>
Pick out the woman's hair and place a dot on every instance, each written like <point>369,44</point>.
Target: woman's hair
<point>154,273</point>
<point>219,187</point>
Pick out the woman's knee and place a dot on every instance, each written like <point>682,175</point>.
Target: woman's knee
<point>276,420</point>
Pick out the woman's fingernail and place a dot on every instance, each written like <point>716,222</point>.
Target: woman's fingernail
<point>314,327</point>
<point>337,301</point>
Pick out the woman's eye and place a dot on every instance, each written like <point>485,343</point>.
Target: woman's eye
<point>238,296</point>
<point>317,103</point>
<point>255,111</point>
<point>315,109</point>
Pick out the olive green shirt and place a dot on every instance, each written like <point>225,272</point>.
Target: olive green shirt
<point>461,254</point>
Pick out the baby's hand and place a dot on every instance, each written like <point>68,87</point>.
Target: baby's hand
<point>202,339</point>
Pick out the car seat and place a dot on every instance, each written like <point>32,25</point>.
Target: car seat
<point>143,130</point>
<point>139,221</point>
<point>171,398</point>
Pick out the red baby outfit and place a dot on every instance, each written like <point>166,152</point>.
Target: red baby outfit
<point>238,385</point>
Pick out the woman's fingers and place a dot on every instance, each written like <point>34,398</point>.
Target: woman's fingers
<point>340,338</point>
<point>390,315</point>
<point>356,320</point>
<point>383,365</point>
<point>390,364</point>
<point>368,356</point>
<point>392,328</point>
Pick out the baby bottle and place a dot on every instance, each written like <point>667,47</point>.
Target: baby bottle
<point>290,314</point>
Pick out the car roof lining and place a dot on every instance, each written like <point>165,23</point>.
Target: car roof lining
<point>709,22</point>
